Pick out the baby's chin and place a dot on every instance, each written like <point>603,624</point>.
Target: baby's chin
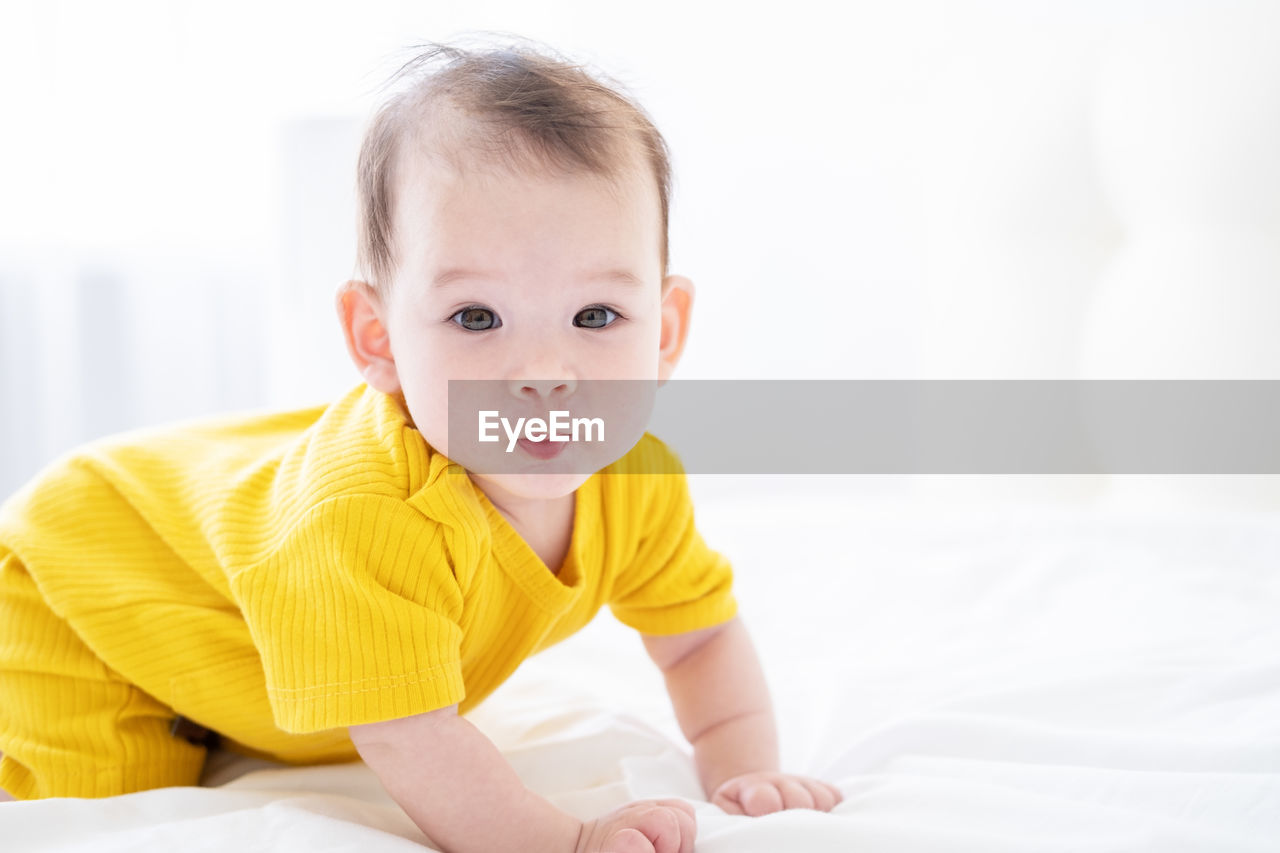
<point>530,486</point>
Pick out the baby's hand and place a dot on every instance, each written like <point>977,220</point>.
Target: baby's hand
<point>764,792</point>
<point>645,826</point>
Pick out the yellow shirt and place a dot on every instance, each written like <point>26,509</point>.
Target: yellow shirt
<point>279,577</point>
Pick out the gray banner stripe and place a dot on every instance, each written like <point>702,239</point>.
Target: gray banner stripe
<point>1068,427</point>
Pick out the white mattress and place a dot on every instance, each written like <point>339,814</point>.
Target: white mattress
<point>1030,680</point>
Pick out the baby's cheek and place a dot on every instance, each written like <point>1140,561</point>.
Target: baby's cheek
<point>428,405</point>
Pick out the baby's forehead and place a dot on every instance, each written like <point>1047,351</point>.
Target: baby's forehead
<point>468,171</point>
<point>444,177</point>
<point>443,144</point>
<point>457,184</point>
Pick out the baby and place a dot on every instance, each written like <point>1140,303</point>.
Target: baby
<point>326,584</point>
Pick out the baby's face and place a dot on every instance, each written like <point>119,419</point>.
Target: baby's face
<point>538,280</point>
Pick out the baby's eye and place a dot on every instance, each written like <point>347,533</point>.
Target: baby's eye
<point>476,319</point>
<point>595,317</point>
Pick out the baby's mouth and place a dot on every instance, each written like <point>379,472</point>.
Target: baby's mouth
<point>545,449</point>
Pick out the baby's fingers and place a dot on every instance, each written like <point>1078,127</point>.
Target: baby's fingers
<point>686,819</point>
<point>728,804</point>
<point>760,794</point>
<point>825,797</point>
<point>761,798</point>
<point>669,829</point>
<point>628,841</point>
<point>795,794</point>
<point>679,805</point>
<point>839,795</point>
<point>688,823</point>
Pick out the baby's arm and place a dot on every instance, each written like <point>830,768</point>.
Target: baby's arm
<point>722,703</point>
<point>456,786</point>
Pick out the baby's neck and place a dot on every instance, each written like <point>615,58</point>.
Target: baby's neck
<point>518,508</point>
<point>545,524</point>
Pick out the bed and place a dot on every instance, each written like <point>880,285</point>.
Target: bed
<point>1004,678</point>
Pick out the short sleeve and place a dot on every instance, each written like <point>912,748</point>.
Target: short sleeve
<point>675,583</point>
<point>355,615</point>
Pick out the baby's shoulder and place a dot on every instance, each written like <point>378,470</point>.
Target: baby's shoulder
<point>648,483</point>
<point>650,455</point>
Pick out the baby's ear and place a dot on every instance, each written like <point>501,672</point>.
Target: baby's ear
<point>677,308</point>
<point>361,312</point>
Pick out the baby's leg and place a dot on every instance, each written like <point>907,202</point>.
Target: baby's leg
<point>72,726</point>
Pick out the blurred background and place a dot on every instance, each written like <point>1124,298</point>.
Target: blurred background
<point>906,189</point>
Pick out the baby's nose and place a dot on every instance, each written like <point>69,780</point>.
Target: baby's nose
<point>544,389</point>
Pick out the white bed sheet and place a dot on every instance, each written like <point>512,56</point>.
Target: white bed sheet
<point>1027,680</point>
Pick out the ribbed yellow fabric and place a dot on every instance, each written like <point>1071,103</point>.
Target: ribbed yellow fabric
<point>278,577</point>
<point>118,734</point>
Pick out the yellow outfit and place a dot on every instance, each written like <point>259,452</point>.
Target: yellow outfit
<point>279,577</point>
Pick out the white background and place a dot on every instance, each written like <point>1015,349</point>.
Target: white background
<point>870,190</point>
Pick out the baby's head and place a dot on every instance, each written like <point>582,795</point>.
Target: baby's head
<point>513,226</point>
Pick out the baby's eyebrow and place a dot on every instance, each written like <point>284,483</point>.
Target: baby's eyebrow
<point>453,275</point>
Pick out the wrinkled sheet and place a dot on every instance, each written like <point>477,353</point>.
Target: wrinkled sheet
<point>999,680</point>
